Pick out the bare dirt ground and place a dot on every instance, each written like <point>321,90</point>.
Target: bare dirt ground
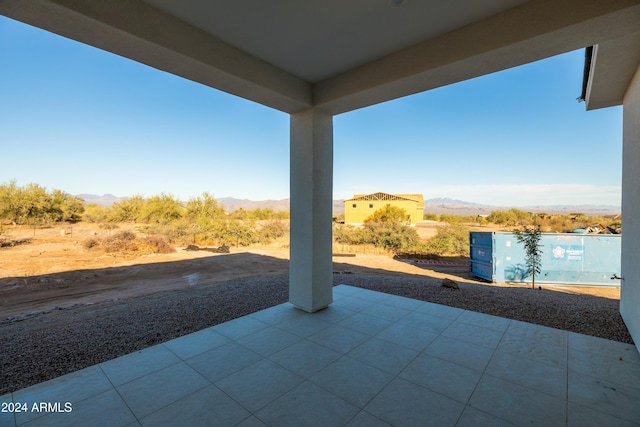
<point>52,270</point>
<point>64,307</point>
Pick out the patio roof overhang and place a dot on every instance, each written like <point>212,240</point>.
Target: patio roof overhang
<point>334,55</point>
<point>609,71</point>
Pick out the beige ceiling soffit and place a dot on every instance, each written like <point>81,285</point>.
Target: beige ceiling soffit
<point>533,31</point>
<point>135,30</point>
<point>613,65</point>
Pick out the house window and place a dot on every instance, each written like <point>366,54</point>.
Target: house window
<point>353,206</point>
<point>370,205</point>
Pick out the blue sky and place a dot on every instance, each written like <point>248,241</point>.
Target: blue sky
<point>81,120</point>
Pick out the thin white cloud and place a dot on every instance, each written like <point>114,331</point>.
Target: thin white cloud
<point>530,194</point>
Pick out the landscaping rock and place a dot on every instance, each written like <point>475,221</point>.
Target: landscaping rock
<point>448,283</point>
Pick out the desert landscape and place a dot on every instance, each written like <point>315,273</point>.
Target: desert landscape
<point>64,307</point>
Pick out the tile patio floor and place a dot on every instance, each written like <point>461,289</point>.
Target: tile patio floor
<point>370,359</point>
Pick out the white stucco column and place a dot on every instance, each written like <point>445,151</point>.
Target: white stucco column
<point>630,268</point>
<point>311,268</point>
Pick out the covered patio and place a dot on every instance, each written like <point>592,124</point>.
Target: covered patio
<point>347,356</point>
<point>369,359</point>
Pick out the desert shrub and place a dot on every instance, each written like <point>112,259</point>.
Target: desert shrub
<point>259,214</point>
<point>394,237</point>
<point>209,231</point>
<point>95,214</point>
<point>271,231</point>
<point>450,240</point>
<point>109,226</point>
<point>128,242</point>
<point>91,243</point>
<point>155,245</point>
<point>127,210</point>
<point>6,242</point>
<point>176,232</point>
<point>431,216</point>
<point>123,241</point>
<point>236,233</point>
<point>457,219</point>
<point>350,235</point>
<point>161,209</point>
<point>511,217</point>
<point>35,205</point>
<point>390,236</point>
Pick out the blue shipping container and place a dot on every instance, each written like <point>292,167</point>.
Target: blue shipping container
<point>572,259</point>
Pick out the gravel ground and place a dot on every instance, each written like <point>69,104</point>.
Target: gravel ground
<point>54,344</point>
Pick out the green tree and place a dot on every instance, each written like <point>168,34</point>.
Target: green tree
<point>95,213</point>
<point>236,233</point>
<point>272,230</point>
<point>65,207</point>
<point>205,206</point>
<point>33,204</point>
<point>202,215</point>
<point>511,217</point>
<point>530,238</point>
<point>127,210</point>
<point>11,202</point>
<point>389,214</point>
<point>162,209</point>
<point>36,207</point>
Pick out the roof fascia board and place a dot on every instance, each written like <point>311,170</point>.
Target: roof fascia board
<point>613,65</point>
<point>592,66</point>
<point>136,30</point>
<point>530,32</point>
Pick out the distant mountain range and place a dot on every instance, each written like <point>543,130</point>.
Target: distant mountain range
<point>460,207</point>
<point>94,199</point>
<point>437,206</point>
<point>232,204</point>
